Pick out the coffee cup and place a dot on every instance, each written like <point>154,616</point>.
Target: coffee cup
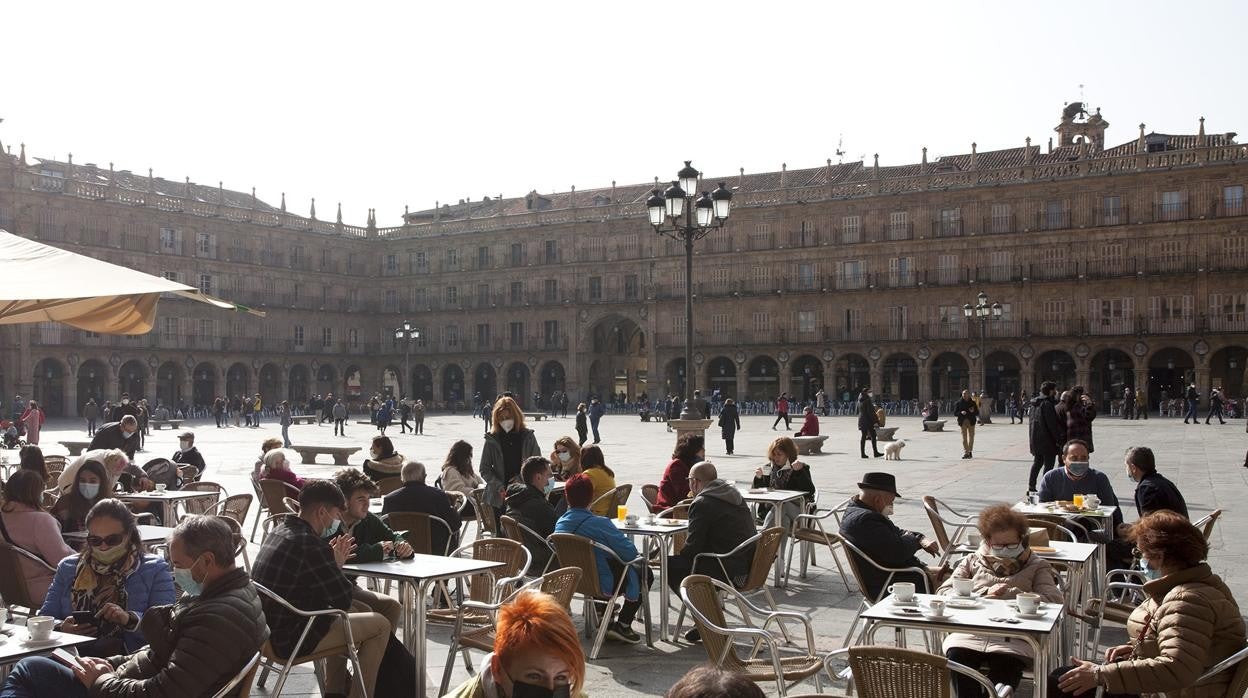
<point>937,607</point>
<point>631,519</point>
<point>904,591</point>
<point>4,615</point>
<point>650,520</point>
<point>160,487</point>
<point>974,538</point>
<point>40,627</point>
<point>1091,502</point>
<point>1028,603</point>
<point>963,586</point>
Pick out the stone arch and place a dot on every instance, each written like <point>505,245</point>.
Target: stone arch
<point>1112,371</point>
<point>517,382</point>
<point>204,384</point>
<point>93,380</point>
<point>1057,366</point>
<point>132,379</point>
<point>1003,375</point>
<point>270,385</point>
<point>485,381</point>
<point>805,377</point>
<point>452,383</point>
<point>900,379</point>
<point>49,386</point>
<point>762,377</point>
<point>422,383</point>
<point>237,380</point>
<point>169,385</point>
<point>298,384</point>
<point>950,375</point>
<point>851,373</point>
<point>551,378</point>
<point>618,345</point>
<point>326,380</point>
<point>352,382</point>
<point>721,374</point>
<point>1227,368</point>
<point>1170,370</point>
<point>390,383</point>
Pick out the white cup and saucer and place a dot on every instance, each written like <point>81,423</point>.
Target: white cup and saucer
<point>973,539</point>
<point>631,520</point>
<point>1028,606</point>
<point>964,595</point>
<point>39,628</point>
<point>935,609</point>
<point>903,594</point>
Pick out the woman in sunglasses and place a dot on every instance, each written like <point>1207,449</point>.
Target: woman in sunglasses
<point>104,591</point>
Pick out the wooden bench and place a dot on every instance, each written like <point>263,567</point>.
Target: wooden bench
<point>308,454</point>
<point>886,433</point>
<point>535,416</point>
<point>934,425</point>
<point>75,448</point>
<point>807,445</point>
<point>303,419</point>
<point>171,423</point>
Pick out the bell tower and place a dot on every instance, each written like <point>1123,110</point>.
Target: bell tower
<point>1077,127</point>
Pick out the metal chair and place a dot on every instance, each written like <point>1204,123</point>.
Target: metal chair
<point>291,504</point>
<point>489,586</point>
<point>1238,685</point>
<point>417,528</point>
<point>514,530</point>
<point>619,495</point>
<point>855,558</point>
<point>242,679</point>
<point>766,544</point>
<point>650,495</point>
<point>1070,527</point>
<point>271,522</point>
<point>274,493</point>
<point>234,506</point>
<point>240,541</point>
<point>808,531</point>
<point>578,551</point>
<point>887,672</point>
<point>484,513</point>
<point>199,505</point>
<point>270,661</point>
<point>560,583</point>
<point>959,523</point>
<point>386,485</point>
<point>701,596</point>
<point>261,501</point>
<point>1206,523</point>
<point>13,587</point>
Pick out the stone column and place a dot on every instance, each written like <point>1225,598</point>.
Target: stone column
<point>1141,383</point>
<point>1203,384</point>
<point>785,377</point>
<point>877,377</point>
<point>71,393</point>
<point>1027,380</point>
<point>742,384</point>
<point>187,389</point>
<point>925,385</point>
<point>1082,375</point>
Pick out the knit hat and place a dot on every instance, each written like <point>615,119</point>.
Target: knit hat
<point>579,491</point>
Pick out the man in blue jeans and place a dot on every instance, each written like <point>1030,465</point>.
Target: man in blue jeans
<point>1193,399</point>
<point>596,410</point>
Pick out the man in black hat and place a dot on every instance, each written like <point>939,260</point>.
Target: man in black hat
<point>867,526</point>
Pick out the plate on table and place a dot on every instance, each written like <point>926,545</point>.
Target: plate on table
<point>963,602</point>
<point>1038,615</point>
<point>912,603</point>
<point>31,642</point>
<point>671,522</point>
<point>906,611</point>
<point>932,616</point>
<point>758,490</point>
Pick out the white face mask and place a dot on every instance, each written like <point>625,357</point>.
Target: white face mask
<point>507,424</point>
<point>564,457</point>
<point>184,444</point>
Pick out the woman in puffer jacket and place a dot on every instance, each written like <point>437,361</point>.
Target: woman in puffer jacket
<point>1188,623</point>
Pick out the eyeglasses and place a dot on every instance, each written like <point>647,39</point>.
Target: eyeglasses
<point>111,540</point>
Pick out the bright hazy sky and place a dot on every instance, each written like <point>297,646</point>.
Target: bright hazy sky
<point>386,104</point>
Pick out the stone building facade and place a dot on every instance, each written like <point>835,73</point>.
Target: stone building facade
<point>1120,266</point>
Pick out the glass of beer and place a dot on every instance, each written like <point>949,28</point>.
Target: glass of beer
<point>1078,501</point>
<point>621,512</point>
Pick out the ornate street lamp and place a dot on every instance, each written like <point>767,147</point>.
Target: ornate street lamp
<point>406,333</point>
<point>701,215</point>
<point>983,311</point>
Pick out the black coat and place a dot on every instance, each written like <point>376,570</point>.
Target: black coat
<point>1048,433</point>
<point>719,521</point>
<point>419,497</point>
<point>191,457</point>
<point>729,421</point>
<point>866,414</point>
<point>965,411</point>
<point>1155,492</point>
<point>880,539</point>
<point>111,436</point>
<point>527,505</point>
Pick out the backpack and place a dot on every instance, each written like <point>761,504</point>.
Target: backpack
<point>163,471</point>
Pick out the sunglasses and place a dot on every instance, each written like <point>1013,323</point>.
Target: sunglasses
<point>112,540</point>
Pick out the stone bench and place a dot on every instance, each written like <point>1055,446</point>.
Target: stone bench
<point>308,454</point>
<point>807,445</point>
<point>303,419</point>
<point>75,448</point>
<point>535,416</point>
<point>171,423</point>
<point>934,425</point>
<point>886,433</point>
<point>392,423</point>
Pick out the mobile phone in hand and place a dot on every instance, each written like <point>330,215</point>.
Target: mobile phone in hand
<point>62,657</point>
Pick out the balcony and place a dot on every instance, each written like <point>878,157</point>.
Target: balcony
<point>946,228</point>
<point>1111,268</point>
<point>951,276</point>
<point>999,273</point>
<point>1172,264</point>
<point>1173,211</point>
<point>1053,271</point>
<point>1111,215</point>
<point>1052,220</point>
<point>897,231</point>
<point>1000,224</point>
<point>1228,208</point>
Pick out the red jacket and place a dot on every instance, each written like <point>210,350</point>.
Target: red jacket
<point>810,425</point>
<point>674,487</point>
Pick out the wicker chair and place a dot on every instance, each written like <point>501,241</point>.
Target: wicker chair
<point>270,661</point>
<point>485,587</point>
<point>53,475</point>
<point>514,530</point>
<point>199,505</point>
<point>273,493</point>
<point>808,531</point>
<point>54,462</point>
<point>49,499</point>
<point>417,529</point>
<point>13,587</point>
<point>271,522</point>
<point>578,551</point>
<point>234,506</point>
<point>560,583</point>
<point>386,485</point>
<point>856,558</point>
<point>484,513</point>
<point>291,504</point>
<point>650,495</point>
<point>240,541</point>
<point>618,495</point>
<point>188,473</point>
<point>701,596</point>
<point>959,522</point>
<point>894,672</point>
<point>766,544</point>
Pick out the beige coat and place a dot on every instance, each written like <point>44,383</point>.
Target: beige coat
<point>1036,576</point>
<point>454,481</point>
<point>1195,624</point>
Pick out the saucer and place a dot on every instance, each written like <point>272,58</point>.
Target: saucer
<point>31,642</point>
<point>1030,616</point>
<point>758,490</point>
<point>1039,609</point>
<point>912,603</point>
<point>963,602</point>
<point>932,616</point>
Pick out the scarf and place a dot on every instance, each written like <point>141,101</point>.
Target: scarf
<point>1003,566</point>
<point>780,477</point>
<point>96,584</point>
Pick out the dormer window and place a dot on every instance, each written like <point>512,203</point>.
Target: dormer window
<point>1155,143</point>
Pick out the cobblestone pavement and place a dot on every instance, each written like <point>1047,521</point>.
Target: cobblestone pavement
<point>1205,461</point>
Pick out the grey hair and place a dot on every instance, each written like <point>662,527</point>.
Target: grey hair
<point>206,534</point>
<point>130,421</point>
<point>413,471</point>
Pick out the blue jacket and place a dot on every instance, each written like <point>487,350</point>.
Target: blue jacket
<point>599,528</point>
<point>596,410</point>
<point>149,584</point>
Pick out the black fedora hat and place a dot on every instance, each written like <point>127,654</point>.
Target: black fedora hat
<point>885,482</point>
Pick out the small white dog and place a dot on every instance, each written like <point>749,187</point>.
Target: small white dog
<point>893,450</point>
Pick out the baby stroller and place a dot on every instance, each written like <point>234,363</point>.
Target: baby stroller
<point>13,433</point>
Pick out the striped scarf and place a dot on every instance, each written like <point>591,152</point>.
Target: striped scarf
<point>97,583</point>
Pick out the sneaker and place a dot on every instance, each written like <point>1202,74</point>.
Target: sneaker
<point>622,633</point>
<point>693,636</point>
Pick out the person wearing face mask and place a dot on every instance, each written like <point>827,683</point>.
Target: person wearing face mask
<point>528,503</point>
<point>537,653</point>
<point>1078,477</point>
<point>122,434</point>
<point>112,581</point>
<point>187,454</point>
<point>296,563</point>
<point>383,461</point>
<point>566,458</point>
<point>674,486</point>
<point>1189,622</point>
<point>867,524</point>
<point>87,487</point>
<point>124,407</point>
<point>507,445</point>
<point>277,467</point>
<point>205,637</point>
<point>416,496</point>
<point>1002,568</point>
<point>117,467</point>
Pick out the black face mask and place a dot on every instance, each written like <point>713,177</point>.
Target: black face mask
<point>519,689</point>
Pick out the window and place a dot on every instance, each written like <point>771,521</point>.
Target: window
<point>1111,210</point>
<point>899,225</point>
<point>170,275</point>
<point>451,336</point>
<point>721,280</point>
<point>630,287</point>
<point>205,283</point>
<point>327,337</point>
<point>517,254</point>
<point>1173,207</point>
<point>595,288</point>
<point>762,321</point>
<point>351,263</point>
<point>550,290</point>
<point>806,235</point>
<point>391,303</point>
<point>1113,259</point>
<point>483,258</point>
<point>324,295</point>
<point>950,322</point>
<point>297,257</point>
<point>1111,315</point>
<point>1055,315</point>
<point>452,258</point>
<point>353,338</point>
<point>1054,215</point>
<point>392,264</point>
<point>515,331</point>
<point>595,249</point>
<point>1234,251</point>
<point>172,330</point>
<point>483,295</point>
<point>853,323</point>
<point>806,321</point>
<point>720,323</point>
<point>203,244</point>
<point>452,296</point>
<point>325,262</point>
<point>678,324</point>
<point>418,262</point>
<point>483,336</point>
<point>807,276</point>
<point>950,222</point>
<point>947,269</point>
<point>1001,265</point>
<point>1170,314</point>
<point>901,272</point>
<point>207,328</point>
<point>1233,200</point>
<point>550,329</point>
<point>420,299</point>
<point>1227,312</point>
<point>298,335</point>
<point>760,277</point>
<point>760,239</point>
<point>517,292</point>
<point>897,322</point>
<point>851,275</point>
<point>1168,255</point>
<point>629,247</point>
<point>169,241</point>
<point>1002,220</point>
<point>552,251</point>
<point>269,286</point>
<point>851,229</point>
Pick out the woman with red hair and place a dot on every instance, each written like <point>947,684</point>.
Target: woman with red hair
<point>536,653</point>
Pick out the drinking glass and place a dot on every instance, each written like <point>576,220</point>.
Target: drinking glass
<point>621,512</point>
<point>1078,501</point>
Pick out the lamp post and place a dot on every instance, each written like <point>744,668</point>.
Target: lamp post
<point>406,333</point>
<point>701,215</point>
<point>982,311</point>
